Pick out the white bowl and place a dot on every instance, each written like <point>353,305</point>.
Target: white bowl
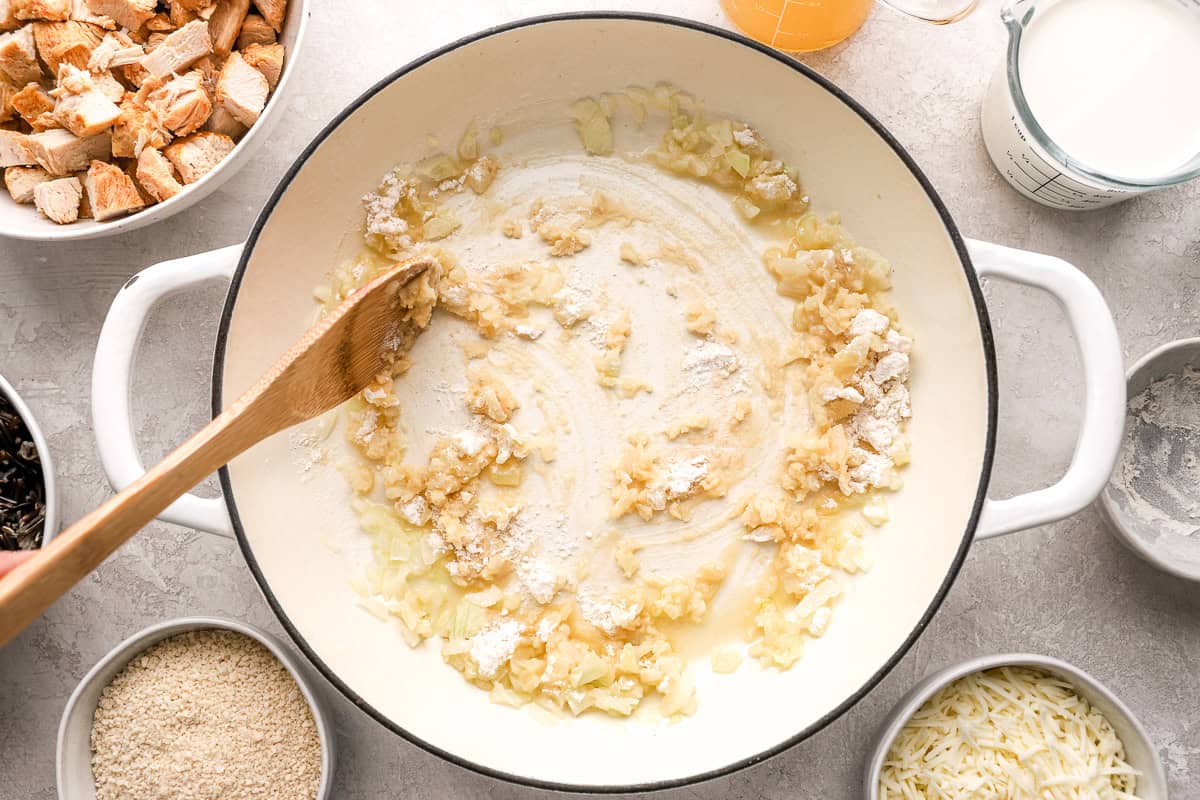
<point>50,526</point>
<point>74,769</point>
<point>1140,752</point>
<point>24,222</point>
<point>1177,555</point>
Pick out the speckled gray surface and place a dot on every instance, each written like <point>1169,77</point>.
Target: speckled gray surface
<point>1067,590</point>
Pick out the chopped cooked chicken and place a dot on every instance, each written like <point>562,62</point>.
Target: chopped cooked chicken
<point>196,96</point>
<point>8,20</point>
<point>195,156</point>
<point>131,14</point>
<point>179,15</point>
<point>130,170</point>
<point>61,152</point>
<point>82,108</point>
<point>86,114</point>
<point>221,121</point>
<point>160,23</point>
<point>255,30</point>
<point>210,71</point>
<point>242,90</point>
<point>109,86</point>
<point>59,199</point>
<point>179,50</point>
<point>81,13</point>
<point>115,50</point>
<point>18,56</point>
<point>61,43</point>
<point>36,107</point>
<point>85,207</point>
<point>138,126</point>
<point>273,12</point>
<point>111,192</point>
<point>134,74</point>
<point>181,104</point>
<point>225,24</point>
<point>157,176</point>
<point>41,9</point>
<point>14,149</point>
<point>267,59</point>
<point>20,182</point>
<point>8,90</point>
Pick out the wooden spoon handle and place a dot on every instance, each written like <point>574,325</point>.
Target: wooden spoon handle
<point>30,589</point>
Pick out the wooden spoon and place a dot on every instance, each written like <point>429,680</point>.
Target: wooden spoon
<point>338,356</point>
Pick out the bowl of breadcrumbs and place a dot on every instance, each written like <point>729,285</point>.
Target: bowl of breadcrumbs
<point>196,708</point>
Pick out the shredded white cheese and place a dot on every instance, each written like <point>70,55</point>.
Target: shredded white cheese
<point>1008,732</point>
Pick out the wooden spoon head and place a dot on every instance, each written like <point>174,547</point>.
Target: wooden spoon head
<point>344,352</point>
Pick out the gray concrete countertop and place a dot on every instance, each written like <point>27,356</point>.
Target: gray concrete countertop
<point>1067,590</point>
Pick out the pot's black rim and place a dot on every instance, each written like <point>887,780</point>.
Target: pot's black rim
<point>985,335</point>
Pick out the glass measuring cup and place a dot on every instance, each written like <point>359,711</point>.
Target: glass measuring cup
<point>1038,166</point>
<point>801,26</point>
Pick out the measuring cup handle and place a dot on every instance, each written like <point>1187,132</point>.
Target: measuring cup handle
<point>1104,384</point>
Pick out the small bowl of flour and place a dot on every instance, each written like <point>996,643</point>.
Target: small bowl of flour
<point>196,708</point>
<point>1152,500</point>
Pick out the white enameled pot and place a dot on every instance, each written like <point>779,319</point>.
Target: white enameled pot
<point>24,222</point>
<point>849,162</point>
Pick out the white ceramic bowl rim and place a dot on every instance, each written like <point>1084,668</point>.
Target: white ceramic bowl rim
<point>1114,515</point>
<point>194,192</point>
<point>931,684</point>
<point>139,642</point>
<point>985,335</point>
<point>49,481</point>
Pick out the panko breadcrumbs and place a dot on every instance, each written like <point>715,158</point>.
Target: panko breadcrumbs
<point>442,532</point>
<point>205,715</point>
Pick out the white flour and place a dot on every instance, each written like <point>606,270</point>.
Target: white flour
<point>306,451</point>
<point>366,430</point>
<point>604,613</point>
<point>684,476</point>
<point>884,397</point>
<point>416,510</point>
<point>709,362</point>
<point>539,578</point>
<point>1154,485</point>
<point>493,646</point>
<point>868,321</point>
<point>470,442</point>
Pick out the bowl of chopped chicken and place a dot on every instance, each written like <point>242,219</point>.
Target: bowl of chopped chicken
<point>696,435</point>
<point>115,113</point>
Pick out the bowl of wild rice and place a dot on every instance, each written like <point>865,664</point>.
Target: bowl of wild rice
<point>196,707</point>
<point>29,511</point>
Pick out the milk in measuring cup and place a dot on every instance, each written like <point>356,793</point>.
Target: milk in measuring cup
<point>1114,84</point>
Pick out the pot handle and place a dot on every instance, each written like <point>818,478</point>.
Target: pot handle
<point>1104,384</point>
<point>113,366</point>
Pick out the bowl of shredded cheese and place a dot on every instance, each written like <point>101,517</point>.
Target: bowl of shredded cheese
<point>190,703</point>
<point>1014,725</point>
